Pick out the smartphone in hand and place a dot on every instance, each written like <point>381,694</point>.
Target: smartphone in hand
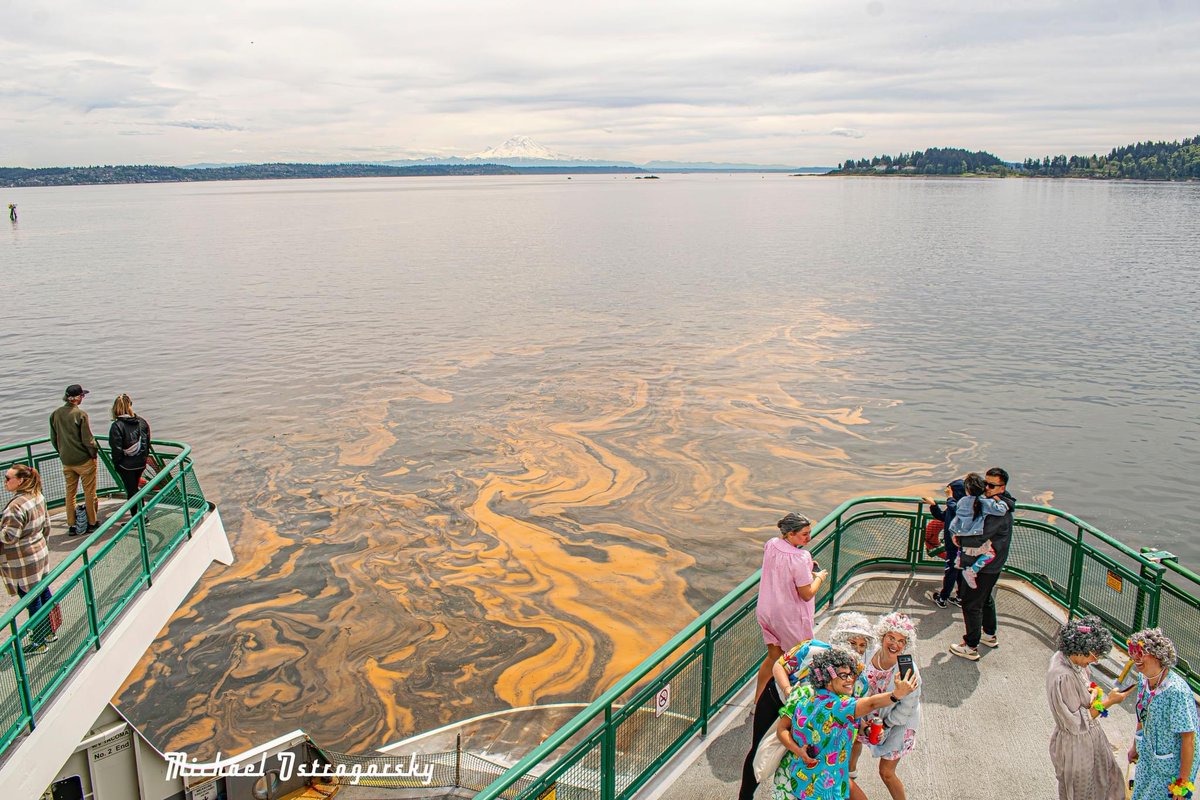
<point>904,666</point>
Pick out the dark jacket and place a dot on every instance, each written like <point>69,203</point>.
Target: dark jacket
<point>71,435</point>
<point>999,530</point>
<point>130,441</point>
<point>957,492</point>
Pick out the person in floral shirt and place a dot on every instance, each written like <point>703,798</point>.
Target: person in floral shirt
<point>817,726</point>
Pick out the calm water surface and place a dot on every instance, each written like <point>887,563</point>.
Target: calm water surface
<point>465,431</point>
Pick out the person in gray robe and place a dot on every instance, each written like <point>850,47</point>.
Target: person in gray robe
<point>1083,759</point>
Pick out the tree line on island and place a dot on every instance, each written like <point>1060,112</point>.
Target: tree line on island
<point>76,176</point>
<point>1148,161</point>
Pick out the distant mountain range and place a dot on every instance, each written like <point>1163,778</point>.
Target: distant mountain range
<point>521,151</point>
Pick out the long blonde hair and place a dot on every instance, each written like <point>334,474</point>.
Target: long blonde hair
<point>122,407</point>
<point>31,481</point>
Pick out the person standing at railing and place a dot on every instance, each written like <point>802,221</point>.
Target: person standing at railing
<point>129,438</point>
<point>71,436</point>
<point>1083,759</point>
<point>1165,747</point>
<point>951,573</point>
<point>24,528</point>
<point>787,592</point>
<point>978,604</point>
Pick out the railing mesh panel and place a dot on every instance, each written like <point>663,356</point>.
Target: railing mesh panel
<point>581,781</point>
<point>1111,592</point>
<point>12,713</point>
<point>735,650</point>
<point>164,522</point>
<point>42,669</point>
<point>1040,553</point>
<point>117,574</point>
<point>643,735</point>
<point>866,539</point>
<point>1179,618</point>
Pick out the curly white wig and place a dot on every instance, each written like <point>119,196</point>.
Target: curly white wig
<point>1085,636</point>
<point>896,622</point>
<point>851,625</point>
<point>825,664</point>
<point>1154,643</point>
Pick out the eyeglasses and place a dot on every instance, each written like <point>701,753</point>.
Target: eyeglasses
<point>844,676</point>
<point>991,485</point>
<point>8,477</point>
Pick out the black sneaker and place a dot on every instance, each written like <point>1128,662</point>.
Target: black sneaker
<point>93,527</point>
<point>956,600</point>
<point>935,598</point>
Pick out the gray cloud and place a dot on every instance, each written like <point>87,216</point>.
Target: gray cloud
<point>198,125</point>
<point>703,80</point>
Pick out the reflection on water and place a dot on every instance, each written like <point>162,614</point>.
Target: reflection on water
<point>488,442</point>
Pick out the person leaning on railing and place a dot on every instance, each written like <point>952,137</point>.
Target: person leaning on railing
<point>1165,747</point>
<point>817,726</point>
<point>1083,759</point>
<point>24,528</point>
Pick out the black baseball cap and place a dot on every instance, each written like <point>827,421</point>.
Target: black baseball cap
<point>75,390</point>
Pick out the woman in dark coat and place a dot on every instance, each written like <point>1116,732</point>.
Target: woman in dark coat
<point>129,438</point>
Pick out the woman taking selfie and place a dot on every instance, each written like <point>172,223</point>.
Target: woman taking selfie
<point>891,732</point>
<point>817,726</point>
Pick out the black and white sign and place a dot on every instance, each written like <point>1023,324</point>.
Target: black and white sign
<point>662,700</point>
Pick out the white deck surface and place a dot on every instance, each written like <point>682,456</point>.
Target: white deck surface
<point>985,727</point>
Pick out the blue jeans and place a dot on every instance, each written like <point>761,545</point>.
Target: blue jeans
<point>952,575</point>
<point>38,634</point>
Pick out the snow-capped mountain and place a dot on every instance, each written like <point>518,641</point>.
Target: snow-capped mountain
<point>522,147</point>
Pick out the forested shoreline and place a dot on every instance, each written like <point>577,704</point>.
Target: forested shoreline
<point>1148,161</point>
<point>82,176</point>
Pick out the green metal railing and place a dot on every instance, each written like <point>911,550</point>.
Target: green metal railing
<point>94,584</point>
<point>617,744</point>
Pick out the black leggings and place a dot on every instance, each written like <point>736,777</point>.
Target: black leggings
<point>766,715</point>
<point>130,479</point>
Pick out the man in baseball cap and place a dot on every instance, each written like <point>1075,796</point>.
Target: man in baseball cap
<point>71,436</point>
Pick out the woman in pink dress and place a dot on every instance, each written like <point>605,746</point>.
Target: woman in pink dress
<point>787,593</point>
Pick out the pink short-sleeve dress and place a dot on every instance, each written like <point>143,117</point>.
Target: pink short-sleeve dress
<point>786,620</point>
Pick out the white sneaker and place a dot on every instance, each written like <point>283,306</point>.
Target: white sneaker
<point>990,641</point>
<point>962,651</point>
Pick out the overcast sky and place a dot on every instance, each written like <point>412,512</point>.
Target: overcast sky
<point>804,82</point>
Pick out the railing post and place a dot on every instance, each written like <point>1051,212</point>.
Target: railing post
<point>916,538</point>
<point>608,758</point>
<point>89,597</point>
<point>1075,578</point>
<point>140,517</point>
<point>706,660</point>
<point>20,674</point>
<point>1150,602</point>
<point>834,582</point>
<point>187,511</point>
<point>457,760</point>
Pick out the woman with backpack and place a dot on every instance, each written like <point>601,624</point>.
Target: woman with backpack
<point>129,438</point>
